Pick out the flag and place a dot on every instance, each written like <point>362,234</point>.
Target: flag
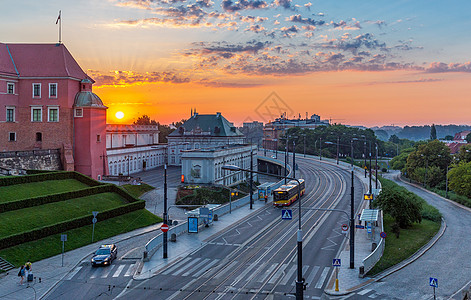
<point>59,17</point>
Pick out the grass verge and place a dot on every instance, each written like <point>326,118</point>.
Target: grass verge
<point>33,217</point>
<point>410,240</point>
<point>138,190</point>
<point>79,237</point>
<point>36,189</point>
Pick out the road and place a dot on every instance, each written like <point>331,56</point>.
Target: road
<point>257,258</point>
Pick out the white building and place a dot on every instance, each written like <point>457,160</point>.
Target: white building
<point>133,148</point>
<point>202,132</point>
<point>204,166</point>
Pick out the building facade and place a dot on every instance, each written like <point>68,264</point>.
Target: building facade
<point>202,132</point>
<point>47,103</point>
<point>133,148</point>
<point>273,131</point>
<point>204,166</point>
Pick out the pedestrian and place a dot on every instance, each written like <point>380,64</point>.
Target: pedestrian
<point>266,199</point>
<point>21,274</point>
<point>29,266</point>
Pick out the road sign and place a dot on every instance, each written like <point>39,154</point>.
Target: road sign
<point>368,196</point>
<point>360,226</point>
<point>336,262</point>
<point>94,220</point>
<point>210,217</point>
<point>434,282</point>
<point>164,227</point>
<point>94,213</point>
<point>368,227</point>
<point>383,235</point>
<point>344,227</point>
<point>286,214</point>
<point>63,237</point>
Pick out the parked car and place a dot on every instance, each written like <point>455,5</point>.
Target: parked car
<point>105,255</point>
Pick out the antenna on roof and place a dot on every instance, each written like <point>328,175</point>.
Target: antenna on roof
<point>59,20</point>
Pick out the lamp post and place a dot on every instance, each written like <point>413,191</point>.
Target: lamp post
<point>165,244</point>
<point>364,153</point>
<point>446,184</point>
<point>320,148</point>
<point>251,177</point>
<point>338,141</point>
<point>299,281</point>
<point>304,144</point>
<point>376,166</point>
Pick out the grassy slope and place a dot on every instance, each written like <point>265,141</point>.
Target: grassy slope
<point>137,190</point>
<point>36,189</point>
<point>47,214</point>
<point>51,245</point>
<point>410,240</point>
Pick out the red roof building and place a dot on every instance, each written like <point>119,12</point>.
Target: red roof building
<point>47,103</point>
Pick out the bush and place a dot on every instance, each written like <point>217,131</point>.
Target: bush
<point>49,176</point>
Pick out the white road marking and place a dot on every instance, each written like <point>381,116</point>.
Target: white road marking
<point>372,296</point>
<point>107,271</point>
<point>94,273</point>
<point>322,278</point>
<point>183,288</point>
<point>288,275</point>
<point>196,266</point>
<point>172,268</point>
<point>225,270</point>
<point>119,270</point>
<point>74,272</point>
<point>278,274</point>
<point>366,291</point>
<point>313,274</point>
<point>245,272</point>
<point>256,272</point>
<point>267,272</point>
<point>130,270</point>
<point>205,268</point>
<point>183,268</point>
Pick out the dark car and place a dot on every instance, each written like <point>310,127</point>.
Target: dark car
<point>105,255</point>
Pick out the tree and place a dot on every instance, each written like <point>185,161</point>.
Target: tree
<point>460,179</point>
<point>394,139</point>
<point>433,132</point>
<point>402,205</point>
<point>449,138</point>
<point>144,120</point>
<point>468,138</point>
<point>464,154</point>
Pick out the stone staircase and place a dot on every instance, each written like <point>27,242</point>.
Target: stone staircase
<point>4,265</point>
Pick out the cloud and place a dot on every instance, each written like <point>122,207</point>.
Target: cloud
<point>255,28</point>
<point>283,3</point>
<point>439,67</point>
<point>127,78</point>
<point>309,21</point>
<point>230,6</point>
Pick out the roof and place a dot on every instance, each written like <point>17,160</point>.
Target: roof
<point>369,215</point>
<point>39,60</point>
<point>207,125</point>
<point>87,99</point>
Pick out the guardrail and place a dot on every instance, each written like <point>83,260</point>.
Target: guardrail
<point>153,245</point>
<point>370,261</point>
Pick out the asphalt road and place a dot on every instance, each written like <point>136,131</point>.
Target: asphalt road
<point>257,258</point>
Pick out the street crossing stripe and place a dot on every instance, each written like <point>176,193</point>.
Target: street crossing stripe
<point>108,271</point>
<point>288,275</point>
<point>205,268</point>
<point>175,266</point>
<point>278,274</point>
<point>366,291</point>
<point>312,275</point>
<point>191,270</point>
<point>244,273</point>
<point>130,270</point>
<point>255,272</point>
<point>320,283</point>
<point>94,273</point>
<point>183,268</point>
<point>267,272</point>
<point>225,270</point>
<point>73,273</point>
<point>120,269</point>
<point>303,272</point>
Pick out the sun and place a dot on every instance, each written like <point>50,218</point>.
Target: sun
<point>119,115</point>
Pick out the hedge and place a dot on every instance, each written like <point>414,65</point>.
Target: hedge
<point>36,201</point>
<point>49,176</point>
<point>60,227</point>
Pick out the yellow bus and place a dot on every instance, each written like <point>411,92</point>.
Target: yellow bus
<point>288,193</point>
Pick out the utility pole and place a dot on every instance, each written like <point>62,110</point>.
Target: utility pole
<point>286,158</point>
<point>371,187</point>
<point>320,149</point>
<point>251,177</point>
<point>294,158</point>
<point>376,168</point>
<point>338,144</point>
<point>165,245</point>
<point>352,211</point>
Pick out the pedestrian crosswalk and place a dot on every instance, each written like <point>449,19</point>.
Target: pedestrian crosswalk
<point>257,272</point>
<point>114,271</point>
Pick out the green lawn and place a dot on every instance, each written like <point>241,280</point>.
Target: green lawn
<point>76,238</point>
<point>36,189</point>
<point>410,240</point>
<point>33,217</point>
<point>137,190</point>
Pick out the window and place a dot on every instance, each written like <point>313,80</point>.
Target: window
<point>36,90</point>
<point>53,114</point>
<point>36,114</point>
<point>10,114</point>
<point>39,137</point>
<point>12,136</point>
<point>52,90</point>
<point>78,112</point>
<point>10,88</point>
<point>98,138</point>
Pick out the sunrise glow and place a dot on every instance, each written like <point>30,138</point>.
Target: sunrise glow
<point>119,115</point>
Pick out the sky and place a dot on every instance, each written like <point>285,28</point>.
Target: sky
<point>350,61</point>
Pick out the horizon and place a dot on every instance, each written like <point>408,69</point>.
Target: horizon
<point>353,62</point>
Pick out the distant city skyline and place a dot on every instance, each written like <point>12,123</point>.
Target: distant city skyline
<point>355,62</point>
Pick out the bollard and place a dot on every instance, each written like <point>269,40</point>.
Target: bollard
<point>216,217</point>
<point>144,256</point>
<point>173,237</point>
<point>373,246</point>
<point>336,284</point>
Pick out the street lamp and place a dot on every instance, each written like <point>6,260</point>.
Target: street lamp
<point>299,281</point>
<point>320,148</point>
<point>165,244</point>
<point>376,166</point>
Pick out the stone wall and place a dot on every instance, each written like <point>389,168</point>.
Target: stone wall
<point>31,160</point>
